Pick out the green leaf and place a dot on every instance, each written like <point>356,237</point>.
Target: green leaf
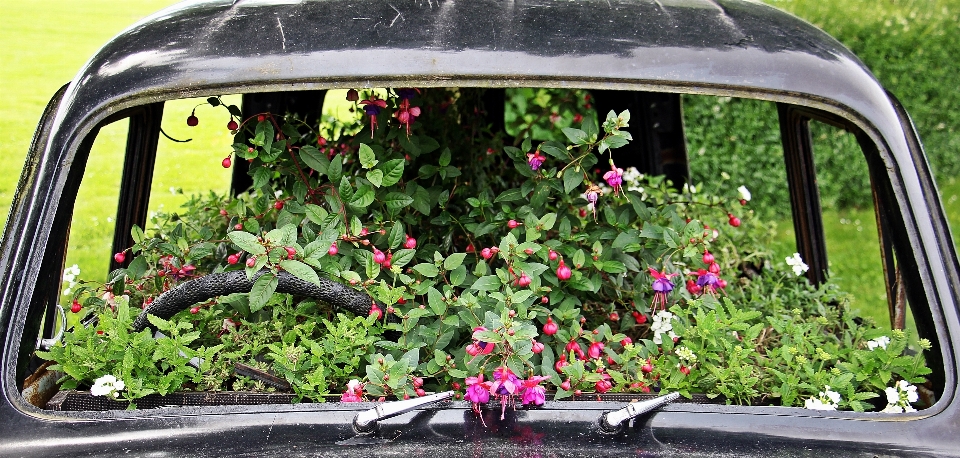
<point>137,234</point>
<point>571,180</point>
<point>262,291</point>
<point>367,158</point>
<point>487,283</point>
<point>510,195</point>
<point>375,177</point>
<point>427,270</point>
<point>402,257</point>
<point>301,271</point>
<point>392,171</point>
<point>335,170</point>
<point>316,214</point>
<point>137,267</point>
<point>625,238</point>
<point>458,275</point>
<point>247,242</point>
<point>554,150</point>
<point>363,197</point>
<point>445,158</point>
<point>453,261</point>
<point>576,136</point>
<point>397,200</point>
<point>261,176</point>
<point>397,236</point>
<point>547,221</point>
<point>435,301</point>
<point>314,159</point>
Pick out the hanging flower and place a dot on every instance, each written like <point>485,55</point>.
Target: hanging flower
<point>614,179</point>
<point>592,195</point>
<point>744,194</point>
<point>405,113</point>
<point>533,392</point>
<point>707,280</point>
<point>108,385</point>
<point>799,267</point>
<point>900,396</point>
<point>535,160</point>
<point>826,400</point>
<point>661,287</point>
<point>505,386</point>
<point>478,391</point>
<point>372,108</point>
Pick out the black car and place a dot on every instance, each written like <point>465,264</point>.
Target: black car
<point>643,55</point>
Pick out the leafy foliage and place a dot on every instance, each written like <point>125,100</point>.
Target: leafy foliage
<point>481,255</point>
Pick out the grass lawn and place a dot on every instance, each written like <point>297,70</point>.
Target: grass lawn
<point>911,44</point>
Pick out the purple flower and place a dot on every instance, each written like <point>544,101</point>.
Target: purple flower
<point>706,279</point>
<point>661,287</point>
<point>535,160</point>
<point>661,282</point>
<point>407,93</point>
<point>505,383</point>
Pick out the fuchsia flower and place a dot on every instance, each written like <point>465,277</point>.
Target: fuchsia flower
<point>405,113</point>
<point>504,386</point>
<point>533,393</point>
<point>478,391</point>
<point>479,347</point>
<point>592,195</point>
<point>661,287</point>
<point>614,179</point>
<point>535,160</point>
<point>372,108</point>
<point>707,280</point>
<point>354,392</point>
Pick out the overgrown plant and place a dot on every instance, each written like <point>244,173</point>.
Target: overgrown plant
<point>501,270</point>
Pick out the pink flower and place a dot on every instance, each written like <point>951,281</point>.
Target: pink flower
<point>478,391</point>
<point>614,178</point>
<point>535,159</point>
<point>484,348</point>
<point>533,393</point>
<point>407,114</point>
<point>354,392</point>
<point>563,272</point>
<point>410,244</point>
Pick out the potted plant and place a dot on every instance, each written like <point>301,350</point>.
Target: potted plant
<point>487,263</point>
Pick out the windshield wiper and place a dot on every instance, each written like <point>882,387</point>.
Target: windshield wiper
<point>366,422</point>
<point>614,422</point>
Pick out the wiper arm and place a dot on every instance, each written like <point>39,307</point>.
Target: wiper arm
<point>613,422</point>
<point>366,422</point>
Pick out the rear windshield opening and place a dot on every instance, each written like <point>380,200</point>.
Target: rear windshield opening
<point>515,245</point>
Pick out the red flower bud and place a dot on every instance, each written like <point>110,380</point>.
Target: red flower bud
<point>550,328</point>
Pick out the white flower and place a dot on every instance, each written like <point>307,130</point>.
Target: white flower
<point>744,193</point>
<point>687,355</point>
<point>108,385</point>
<point>880,342</point>
<point>278,193</point>
<point>900,396</point>
<point>892,408</point>
<point>661,325</point>
<point>799,267</point>
<point>826,400</point>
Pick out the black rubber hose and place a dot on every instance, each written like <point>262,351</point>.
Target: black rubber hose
<point>219,284</point>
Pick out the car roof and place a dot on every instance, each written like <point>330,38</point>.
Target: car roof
<point>199,48</point>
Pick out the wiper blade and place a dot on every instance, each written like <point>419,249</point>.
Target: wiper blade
<point>366,422</point>
<point>613,422</point>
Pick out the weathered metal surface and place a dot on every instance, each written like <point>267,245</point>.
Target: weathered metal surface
<point>737,48</point>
